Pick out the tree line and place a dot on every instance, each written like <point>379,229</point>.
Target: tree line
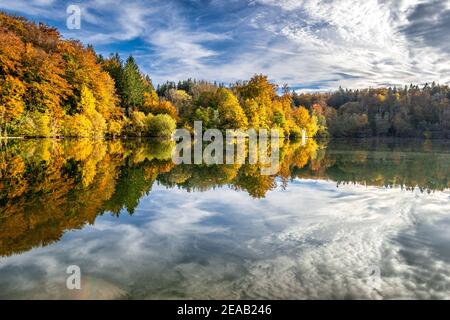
<point>52,87</point>
<point>411,111</point>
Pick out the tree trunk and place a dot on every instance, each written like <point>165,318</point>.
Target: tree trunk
<point>3,125</point>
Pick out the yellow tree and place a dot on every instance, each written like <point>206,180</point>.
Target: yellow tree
<point>138,123</point>
<point>78,125</point>
<point>82,70</point>
<point>11,103</point>
<point>42,73</point>
<point>251,108</point>
<point>165,107</point>
<point>257,95</point>
<point>304,121</point>
<point>231,115</point>
<point>151,100</point>
<point>88,108</point>
<point>153,105</point>
<point>182,102</point>
<point>11,48</point>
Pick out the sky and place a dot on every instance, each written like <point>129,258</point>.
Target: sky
<point>308,44</point>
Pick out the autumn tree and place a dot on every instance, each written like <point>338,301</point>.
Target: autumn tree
<point>256,97</point>
<point>11,101</point>
<point>230,112</point>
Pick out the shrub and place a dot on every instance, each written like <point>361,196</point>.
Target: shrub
<point>36,124</point>
<point>162,126</point>
<point>138,123</point>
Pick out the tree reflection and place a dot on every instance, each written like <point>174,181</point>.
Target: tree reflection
<point>50,186</point>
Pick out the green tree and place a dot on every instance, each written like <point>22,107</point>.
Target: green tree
<point>162,126</point>
<point>134,85</point>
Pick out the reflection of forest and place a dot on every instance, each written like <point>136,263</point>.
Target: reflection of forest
<point>49,186</point>
<point>401,163</point>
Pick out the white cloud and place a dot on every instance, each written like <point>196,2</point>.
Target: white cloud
<point>358,38</point>
<point>312,240</point>
<point>308,43</point>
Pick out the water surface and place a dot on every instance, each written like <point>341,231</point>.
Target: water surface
<point>347,219</point>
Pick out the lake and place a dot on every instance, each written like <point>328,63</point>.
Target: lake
<point>341,220</point>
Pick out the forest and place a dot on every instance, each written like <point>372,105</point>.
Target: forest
<point>412,111</point>
<point>53,87</point>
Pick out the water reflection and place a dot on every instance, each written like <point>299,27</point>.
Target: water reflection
<point>149,229</point>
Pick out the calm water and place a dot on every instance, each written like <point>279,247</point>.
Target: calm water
<point>344,220</point>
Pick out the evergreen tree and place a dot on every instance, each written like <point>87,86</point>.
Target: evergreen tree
<point>134,85</point>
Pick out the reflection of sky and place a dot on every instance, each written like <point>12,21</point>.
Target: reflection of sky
<point>312,240</point>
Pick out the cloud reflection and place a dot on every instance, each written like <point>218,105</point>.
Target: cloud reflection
<point>312,240</point>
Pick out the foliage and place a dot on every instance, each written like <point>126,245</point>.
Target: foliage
<point>115,128</point>
<point>257,96</point>
<point>43,74</point>
<point>230,112</point>
<point>163,107</point>
<point>44,77</point>
<point>305,121</point>
<point>161,125</point>
<point>411,111</point>
<point>133,84</point>
<point>35,124</point>
<point>138,124</point>
<point>11,103</point>
<point>78,125</point>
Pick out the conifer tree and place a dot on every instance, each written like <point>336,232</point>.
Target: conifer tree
<point>134,85</point>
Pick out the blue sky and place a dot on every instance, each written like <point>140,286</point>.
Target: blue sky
<point>308,44</point>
